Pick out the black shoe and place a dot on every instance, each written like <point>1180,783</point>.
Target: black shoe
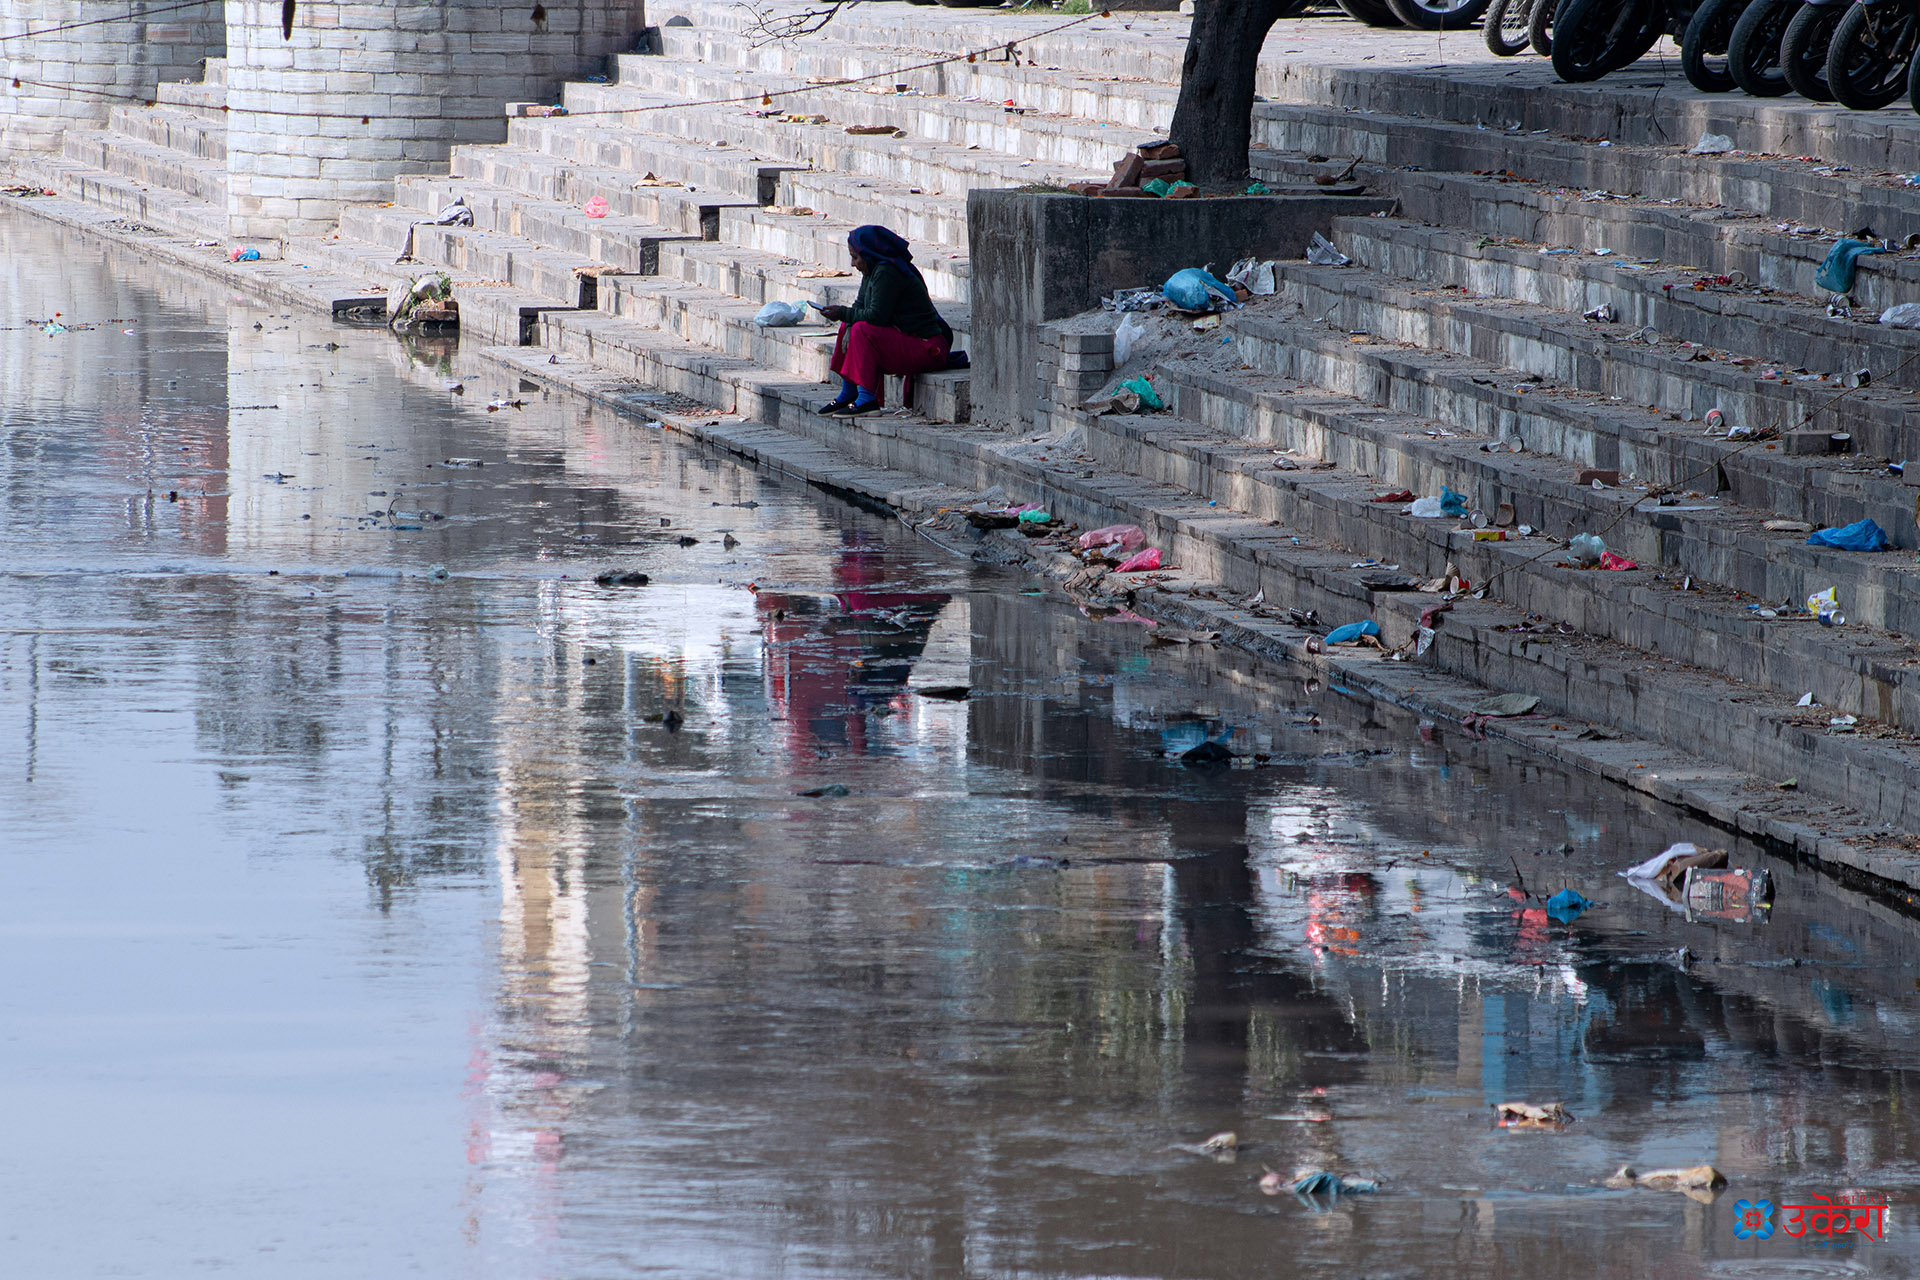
<point>832,408</point>
<point>856,409</point>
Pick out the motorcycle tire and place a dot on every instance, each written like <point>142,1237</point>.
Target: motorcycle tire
<point>1703,49</point>
<point>1375,13</point>
<point>1753,55</point>
<point>1540,27</point>
<point>1506,27</point>
<point>1803,50</point>
<point>1589,37</point>
<point>1872,47</point>
<point>1438,15</point>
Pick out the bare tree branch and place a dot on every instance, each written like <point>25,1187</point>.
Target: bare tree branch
<point>769,25</point>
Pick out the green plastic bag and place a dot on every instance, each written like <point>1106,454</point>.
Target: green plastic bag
<point>1149,398</point>
<point>1157,187</point>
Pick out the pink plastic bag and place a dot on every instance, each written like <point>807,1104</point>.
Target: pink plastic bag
<point>596,207</point>
<point>1128,537</point>
<point>1148,559</point>
<point>1608,560</point>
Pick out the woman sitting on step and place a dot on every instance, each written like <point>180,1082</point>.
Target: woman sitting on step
<point>891,327</point>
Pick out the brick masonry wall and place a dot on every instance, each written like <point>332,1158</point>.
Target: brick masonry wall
<point>119,61</point>
<point>365,90</point>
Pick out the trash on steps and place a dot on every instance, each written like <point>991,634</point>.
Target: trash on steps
<point>1114,539</point>
<point>1825,606</point>
<point>1861,535</point>
<point>1506,704</point>
<point>1144,397</point>
<point>1321,253</point>
<point>1668,867</point>
<point>1254,276</point>
<point>1905,315</point>
<point>1354,632</point>
<point>596,207</point>
<point>1610,561</point>
<point>777,315</point>
<point>1586,548</point>
<point>1838,267</point>
<point>1132,329</point>
<point>1140,561</point>
<point>1712,144</point>
<point>1700,1178</point>
<point>237,254</point>
<point>1193,289</point>
<point>1567,905</point>
<point>455,213</point>
<point>1318,1182</point>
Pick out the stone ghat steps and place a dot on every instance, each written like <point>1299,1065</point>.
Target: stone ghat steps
<point>1057,91</point>
<point>1495,406</point>
<point>490,313</point>
<point>623,242</point>
<point>1707,238</point>
<point>835,205</point>
<point>1220,448</point>
<point>172,129</point>
<point>966,119</point>
<point>1647,104</point>
<point>631,346</point>
<point>1780,188</point>
<point>148,164</point>
<point>1558,346</point>
<point>206,97</point>
<point>938,167</point>
<point>1778,330</point>
<point>648,142</point>
<point>472,256</point>
<point>160,207</point>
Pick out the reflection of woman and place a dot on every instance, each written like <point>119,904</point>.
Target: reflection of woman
<point>891,327</point>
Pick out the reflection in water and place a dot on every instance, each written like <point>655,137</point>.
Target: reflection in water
<point>370,919</point>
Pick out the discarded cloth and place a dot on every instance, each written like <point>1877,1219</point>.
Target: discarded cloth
<point>1193,289</point>
<point>454,214</point>
<point>1836,271</point>
<point>1352,632</point>
<point>1861,535</point>
<point>1451,503</point>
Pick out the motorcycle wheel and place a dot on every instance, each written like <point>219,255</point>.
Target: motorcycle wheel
<point>1506,27</point>
<point>1375,13</point>
<point>1867,61</point>
<point>1590,37</point>
<point>1438,15</point>
<point>1803,50</point>
<point>1753,55</point>
<point>1540,27</point>
<point>1703,49</point>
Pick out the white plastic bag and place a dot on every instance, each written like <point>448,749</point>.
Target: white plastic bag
<point>1904,316</point>
<point>1131,330</point>
<point>1658,862</point>
<point>1426,509</point>
<point>1712,144</point>
<point>777,315</point>
<point>1254,276</point>
<point>1321,253</point>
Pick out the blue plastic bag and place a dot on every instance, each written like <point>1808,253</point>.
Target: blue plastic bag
<point>1836,271</point>
<point>1353,631</point>
<point>1566,905</point>
<point>1451,503</point>
<point>1861,535</point>
<point>1193,289</point>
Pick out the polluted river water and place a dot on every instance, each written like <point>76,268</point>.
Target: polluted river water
<point>383,896</point>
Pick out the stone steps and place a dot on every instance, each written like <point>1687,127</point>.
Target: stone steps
<point>626,243</point>
<point>1483,400</point>
<point>489,313</point>
<point>1558,346</point>
<point>1220,448</point>
<point>147,164</point>
<point>172,129</point>
<point>532,173</point>
<point>206,97</point>
<point>159,207</point>
<point>474,256</point>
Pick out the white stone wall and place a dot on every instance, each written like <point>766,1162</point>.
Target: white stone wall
<point>121,61</point>
<point>365,90</point>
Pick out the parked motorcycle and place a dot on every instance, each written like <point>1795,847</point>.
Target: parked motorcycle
<point>1872,48</point>
<point>1594,37</point>
<point>1540,27</point>
<point>1704,47</point>
<point>1803,49</point>
<point>1508,26</point>
<point>1438,15</point>
<point>1753,54</point>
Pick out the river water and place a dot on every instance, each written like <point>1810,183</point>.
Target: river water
<point>382,896</point>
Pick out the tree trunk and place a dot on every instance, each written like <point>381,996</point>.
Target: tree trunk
<point>1213,120</point>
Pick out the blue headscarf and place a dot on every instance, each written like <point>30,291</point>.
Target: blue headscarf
<point>877,244</point>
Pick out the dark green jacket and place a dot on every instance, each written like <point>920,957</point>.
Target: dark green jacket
<point>891,297</point>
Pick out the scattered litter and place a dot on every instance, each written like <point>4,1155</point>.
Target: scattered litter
<point>1451,503</point>
<point>1602,314</point>
<point>1148,398</point>
<point>1837,269</point>
<point>237,254</point>
<point>1398,495</point>
<point>1906,315</point>
<point>1321,253</point>
<point>1132,329</point>
<point>1806,700</point>
<point>1861,535</point>
<point>1426,509</point>
<point>1525,1115</point>
<point>1824,605</point>
<point>1712,144</point>
<point>1566,905</point>
<point>1353,632</point>
<point>1702,1177</point>
<point>1318,1182</point>
<point>1787,526</point>
<point>1221,1142</point>
<point>1255,276</point>
<point>1140,561</point>
<point>1587,548</point>
<point>1193,289</point>
<point>1258,188</point>
<point>1114,538</point>
<point>1738,895</point>
<point>778,315</point>
<point>1506,704</point>
<point>454,214</point>
<point>1843,722</point>
<point>822,273</point>
<point>1610,561</point>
